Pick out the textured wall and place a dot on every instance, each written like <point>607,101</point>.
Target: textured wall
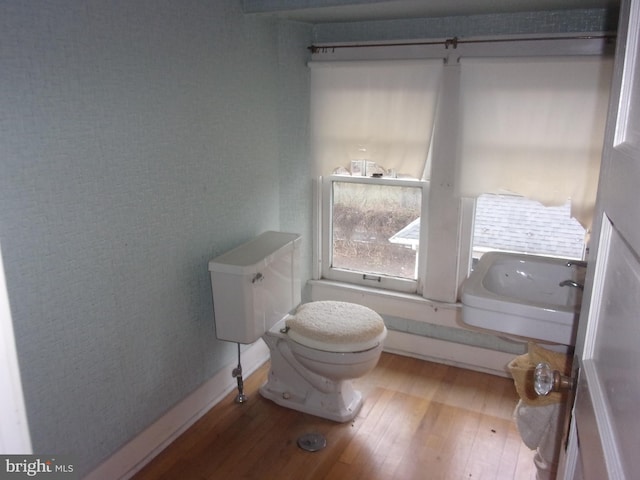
<point>138,140</point>
<point>584,20</point>
<point>296,199</point>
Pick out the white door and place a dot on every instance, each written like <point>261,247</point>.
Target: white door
<point>604,441</point>
<point>14,430</point>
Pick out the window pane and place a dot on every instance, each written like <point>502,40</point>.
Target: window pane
<point>376,228</point>
<point>517,224</point>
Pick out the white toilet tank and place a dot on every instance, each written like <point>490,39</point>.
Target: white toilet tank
<point>255,285</point>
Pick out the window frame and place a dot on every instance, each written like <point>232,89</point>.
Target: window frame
<point>358,277</point>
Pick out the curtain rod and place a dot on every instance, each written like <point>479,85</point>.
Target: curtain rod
<point>455,41</point>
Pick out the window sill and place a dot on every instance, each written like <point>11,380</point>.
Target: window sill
<point>386,302</point>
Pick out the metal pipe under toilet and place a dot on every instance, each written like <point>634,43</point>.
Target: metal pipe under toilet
<point>237,374</point>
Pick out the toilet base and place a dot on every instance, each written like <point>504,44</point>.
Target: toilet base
<point>290,384</point>
<point>341,405</point>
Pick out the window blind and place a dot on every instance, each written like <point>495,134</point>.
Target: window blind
<point>534,127</point>
<point>382,111</point>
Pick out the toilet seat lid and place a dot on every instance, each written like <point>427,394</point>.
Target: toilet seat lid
<point>336,326</point>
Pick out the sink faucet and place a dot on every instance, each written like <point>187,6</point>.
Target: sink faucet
<point>577,263</point>
<point>571,283</point>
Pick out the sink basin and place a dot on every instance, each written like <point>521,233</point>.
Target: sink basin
<point>520,295</point>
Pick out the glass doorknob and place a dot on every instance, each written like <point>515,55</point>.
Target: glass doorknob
<point>547,380</point>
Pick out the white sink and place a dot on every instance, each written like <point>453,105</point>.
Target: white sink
<point>520,295</point>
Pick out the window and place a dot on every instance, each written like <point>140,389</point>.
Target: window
<point>512,223</point>
<point>373,119</point>
<point>490,120</point>
<point>373,235</point>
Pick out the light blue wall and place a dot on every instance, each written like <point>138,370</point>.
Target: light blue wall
<point>562,21</point>
<point>296,183</point>
<point>138,140</point>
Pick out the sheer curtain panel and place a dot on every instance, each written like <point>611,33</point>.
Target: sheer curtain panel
<point>534,127</point>
<point>381,111</point>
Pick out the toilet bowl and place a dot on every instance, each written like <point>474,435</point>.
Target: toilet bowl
<point>317,350</point>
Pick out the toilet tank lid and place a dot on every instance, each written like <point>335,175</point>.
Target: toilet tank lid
<point>336,326</point>
<point>258,251</point>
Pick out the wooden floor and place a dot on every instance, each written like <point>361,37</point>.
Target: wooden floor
<point>420,420</point>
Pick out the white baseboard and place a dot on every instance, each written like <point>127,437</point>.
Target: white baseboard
<point>440,351</point>
<point>130,459</point>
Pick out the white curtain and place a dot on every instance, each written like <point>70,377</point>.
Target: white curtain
<point>535,127</point>
<point>381,111</point>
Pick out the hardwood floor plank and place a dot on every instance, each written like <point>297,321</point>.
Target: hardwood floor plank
<point>509,459</point>
<point>487,448</point>
<point>391,442</point>
<point>525,464</point>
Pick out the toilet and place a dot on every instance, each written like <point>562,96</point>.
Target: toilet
<point>316,348</point>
